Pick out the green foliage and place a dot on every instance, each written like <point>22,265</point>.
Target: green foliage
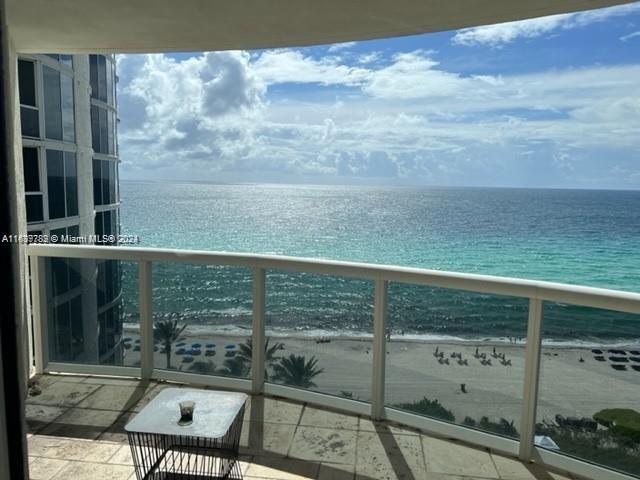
<point>295,370</point>
<point>235,367</point>
<point>166,332</point>
<point>202,367</point>
<point>469,422</point>
<point>501,427</point>
<point>620,421</point>
<point>600,447</point>
<point>429,408</point>
<point>245,352</point>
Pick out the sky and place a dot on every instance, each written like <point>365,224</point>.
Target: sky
<point>546,102</point>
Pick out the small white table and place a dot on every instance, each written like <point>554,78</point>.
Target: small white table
<point>205,449</point>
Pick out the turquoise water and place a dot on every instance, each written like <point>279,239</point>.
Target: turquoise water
<point>571,236</point>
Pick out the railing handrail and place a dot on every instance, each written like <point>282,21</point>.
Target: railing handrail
<point>533,289</point>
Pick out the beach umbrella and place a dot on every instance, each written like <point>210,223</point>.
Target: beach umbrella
<point>180,344</point>
<point>180,351</point>
<point>187,359</point>
<point>230,346</point>
<point>137,340</point>
<point>196,345</point>
<point>211,345</point>
<point>196,352</point>
<point>126,339</point>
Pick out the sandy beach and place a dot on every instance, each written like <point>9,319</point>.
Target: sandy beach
<point>567,387</point>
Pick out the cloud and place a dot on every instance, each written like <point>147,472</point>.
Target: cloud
<point>630,36</point>
<point>336,47</point>
<point>403,119</point>
<point>500,34</point>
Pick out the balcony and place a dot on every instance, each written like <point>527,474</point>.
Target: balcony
<point>375,403</point>
<point>76,426</point>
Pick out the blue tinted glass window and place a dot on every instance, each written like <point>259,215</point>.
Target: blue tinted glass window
<point>29,122</point>
<point>34,208</point>
<point>52,103</point>
<point>68,126</point>
<point>31,170</point>
<point>97,182</point>
<point>27,82</point>
<point>55,183</point>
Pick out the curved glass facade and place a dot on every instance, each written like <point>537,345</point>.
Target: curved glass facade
<point>71,186</point>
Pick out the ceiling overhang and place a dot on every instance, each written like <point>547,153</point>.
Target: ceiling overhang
<point>78,26</point>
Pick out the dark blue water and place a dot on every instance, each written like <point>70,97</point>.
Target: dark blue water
<point>571,236</point>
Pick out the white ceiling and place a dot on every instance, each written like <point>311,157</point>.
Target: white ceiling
<point>77,26</point>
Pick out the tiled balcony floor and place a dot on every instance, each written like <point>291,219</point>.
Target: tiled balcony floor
<point>77,432</point>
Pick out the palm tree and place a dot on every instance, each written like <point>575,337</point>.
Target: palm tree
<point>245,352</point>
<point>235,367</point>
<point>203,367</point>
<point>295,370</point>
<point>166,332</point>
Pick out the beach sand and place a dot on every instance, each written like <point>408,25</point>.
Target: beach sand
<point>567,386</point>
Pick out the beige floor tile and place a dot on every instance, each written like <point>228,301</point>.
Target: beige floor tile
<point>367,425</point>
<point>82,423</point>
<point>336,471</point>
<point>512,468</point>
<point>316,417</point>
<point>41,468</point>
<point>38,416</point>
<point>116,397</point>
<point>324,445</point>
<point>63,394</point>
<point>266,438</point>
<point>70,449</point>
<point>388,457</point>
<point>122,456</point>
<point>93,471</point>
<point>282,469</point>
<point>272,410</point>
<point>122,382</point>
<point>116,432</point>
<point>443,456</point>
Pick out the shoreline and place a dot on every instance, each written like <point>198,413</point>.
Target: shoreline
<point>232,331</point>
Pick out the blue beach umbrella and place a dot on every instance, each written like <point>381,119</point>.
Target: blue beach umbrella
<point>181,344</point>
<point>211,345</point>
<point>196,345</point>
<point>230,346</point>
<point>126,339</point>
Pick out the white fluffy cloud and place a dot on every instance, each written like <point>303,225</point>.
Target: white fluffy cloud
<point>404,119</point>
<point>503,33</point>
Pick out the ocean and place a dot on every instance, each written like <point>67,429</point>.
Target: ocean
<point>581,237</point>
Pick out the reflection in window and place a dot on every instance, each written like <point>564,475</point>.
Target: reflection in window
<point>58,105</point>
<point>104,182</point>
<point>62,184</point>
<point>32,185</point>
<point>29,116</point>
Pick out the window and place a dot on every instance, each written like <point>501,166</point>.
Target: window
<point>104,182</point>
<point>103,123</point>
<point>29,115</point>
<point>62,184</point>
<point>64,59</point>
<point>32,185</point>
<point>58,105</point>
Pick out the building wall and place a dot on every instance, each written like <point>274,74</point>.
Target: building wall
<point>59,118</point>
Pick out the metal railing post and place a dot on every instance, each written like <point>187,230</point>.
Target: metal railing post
<point>146,318</point>
<point>39,312</point>
<point>258,336</point>
<point>531,380</point>
<point>379,348</point>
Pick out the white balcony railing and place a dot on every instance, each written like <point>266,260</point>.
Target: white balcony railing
<point>536,292</point>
